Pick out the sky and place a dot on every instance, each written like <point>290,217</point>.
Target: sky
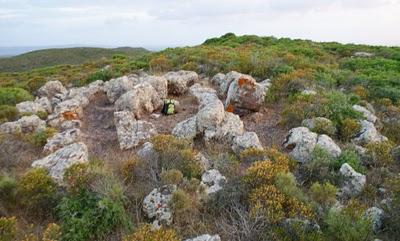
<point>170,23</point>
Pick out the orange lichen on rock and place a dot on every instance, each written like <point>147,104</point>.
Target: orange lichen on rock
<point>230,108</point>
<point>69,115</point>
<point>242,81</point>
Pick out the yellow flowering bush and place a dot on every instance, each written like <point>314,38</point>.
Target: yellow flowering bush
<point>147,233</point>
<point>52,232</point>
<point>8,228</point>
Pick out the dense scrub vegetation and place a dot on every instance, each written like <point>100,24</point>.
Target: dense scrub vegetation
<point>268,196</point>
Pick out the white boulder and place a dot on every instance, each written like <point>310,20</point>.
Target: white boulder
<point>62,139</point>
<point>156,205</point>
<point>354,182</point>
<point>205,237</point>
<point>180,81</point>
<point>213,181</point>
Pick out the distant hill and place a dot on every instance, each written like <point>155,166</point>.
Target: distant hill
<point>60,56</point>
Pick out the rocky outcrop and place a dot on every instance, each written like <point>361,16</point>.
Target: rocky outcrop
<point>354,182</point>
<point>45,103</point>
<point>180,81</point>
<point>245,141</point>
<point>143,98</point>
<point>186,129</point>
<point>159,83</point>
<point>368,133</point>
<point>376,216</point>
<point>363,54</point>
<point>147,152</point>
<point>132,132</point>
<point>52,89</point>
<point>90,91</point>
<point>62,139</point>
<point>68,110</point>
<point>62,159</point>
<point>230,127</point>
<point>366,113</point>
<point>302,142</point>
<point>205,237</point>
<point>117,87</point>
<point>213,181</point>
<point>156,205</point>
<point>30,107</point>
<point>25,124</point>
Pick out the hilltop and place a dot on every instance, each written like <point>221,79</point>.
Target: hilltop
<point>62,56</point>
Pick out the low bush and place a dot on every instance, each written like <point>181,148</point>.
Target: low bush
<point>349,128</point>
<point>128,170</point>
<point>37,191</point>
<point>52,232</point>
<point>380,153</point>
<point>12,96</point>
<point>286,183</point>
<point>172,176</point>
<point>323,126</point>
<point>39,138</point>
<point>252,155</point>
<point>147,233</point>
<point>7,190</point>
<point>324,194</point>
<point>78,177</point>
<point>101,74</point>
<point>320,167</point>
<point>264,173</point>
<point>8,113</point>
<point>350,157</point>
<point>8,228</point>
<point>392,211</point>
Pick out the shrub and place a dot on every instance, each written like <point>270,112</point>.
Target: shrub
<point>37,191</point>
<point>176,154</point>
<point>147,233</point>
<point>52,232</point>
<point>320,167</point>
<point>349,224</point>
<point>286,183</point>
<point>39,138</point>
<point>349,128</point>
<point>350,157</point>
<point>8,228</point>
<point>253,154</point>
<point>77,177</point>
<point>264,172</point>
<point>380,153</point>
<point>7,190</point>
<point>172,176</point>
<point>324,194</point>
<point>392,211</point>
<point>360,91</point>
<point>42,115</point>
<point>8,113</point>
<point>12,96</point>
<point>323,126</point>
<point>101,74</point>
<point>127,170</point>
<point>87,215</point>
<point>160,64</point>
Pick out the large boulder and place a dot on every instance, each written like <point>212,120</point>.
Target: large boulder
<point>159,83</point>
<point>220,81</point>
<point>52,89</point>
<point>156,205</point>
<point>62,159</point>
<point>67,110</point>
<point>354,182</point>
<point>366,113</point>
<point>245,141</point>
<point>62,139</point>
<point>245,94</point>
<point>143,98</point>
<point>90,91</point>
<point>117,87</point>
<point>25,124</point>
<point>186,129</point>
<point>45,103</point>
<point>179,82</point>
<point>131,132</point>
<point>205,237</point>
<point>229,128</point>
<point>30,107</point>
<point>368,133</point>
<point>302,142</point>
<point>213,181</point>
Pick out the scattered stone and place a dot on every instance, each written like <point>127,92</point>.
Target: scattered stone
<point>51,89</point>
<point>376,216</point>
<point>309,92</point>
<point>179,82</point>
<point>62,139</point>
<point>155,205</point>
<point>245,141</point>
<point>368,133</point>
<point>366,113</point>
<point>354,182</point>
<point>205,237</point>
<point>131,132</point>
<point>30,107</point>
<point>117,87</point>
<point>143,98</point>
<point>62,159</point>
<point>213,181</point>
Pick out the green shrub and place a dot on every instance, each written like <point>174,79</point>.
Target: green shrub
<point>172,176</point>
<point>102,74</point>
<point>147,233</point>
<point>380,153</point>
<point>39,138</point>
<point>286,183</point>
<point>253,154</point>
<point>90,216</point>
<point>7,190</point>
<point>349,128</point>
<point>350,157</point>
<point>8,113</point>
<point>8,228</point>
<point>324,194</point>
<point>52,233</point>
<point>323,126</point>
<point>12,96</point>
<point>320,167</point>
<point>392,211</point>
<point>78,177</point>
<point>37,191</point>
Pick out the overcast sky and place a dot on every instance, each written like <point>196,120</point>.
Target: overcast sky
<point>151,23</point>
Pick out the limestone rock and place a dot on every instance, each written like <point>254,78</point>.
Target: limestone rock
<point>143,98</point>
<point>62,159</point>
<point>31,124</point>
<point>147,152</point>
<point>366,113</point>
<point>30,107</point>
<point>186,129</point>
<point>90,91</point>
<point>363,54</point>
<point>117,87</point>
<point>155,205</point>
<point>159,83</point>
<point>51,89</point>
<point>45,103</point>
<point>309,92</point>
<point>205,237</point>
<point>245,141</point>
<point>376,216</point>
<point>62,139</point>
<point>368,133</point>
<point>230,127</point>
<point>10,128</point>
<point>354,182</point>
<point>213,181</point>
<point>131,132</point>
<point>302,143</point>
<point>326,143</point>
<point>179,82</point>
